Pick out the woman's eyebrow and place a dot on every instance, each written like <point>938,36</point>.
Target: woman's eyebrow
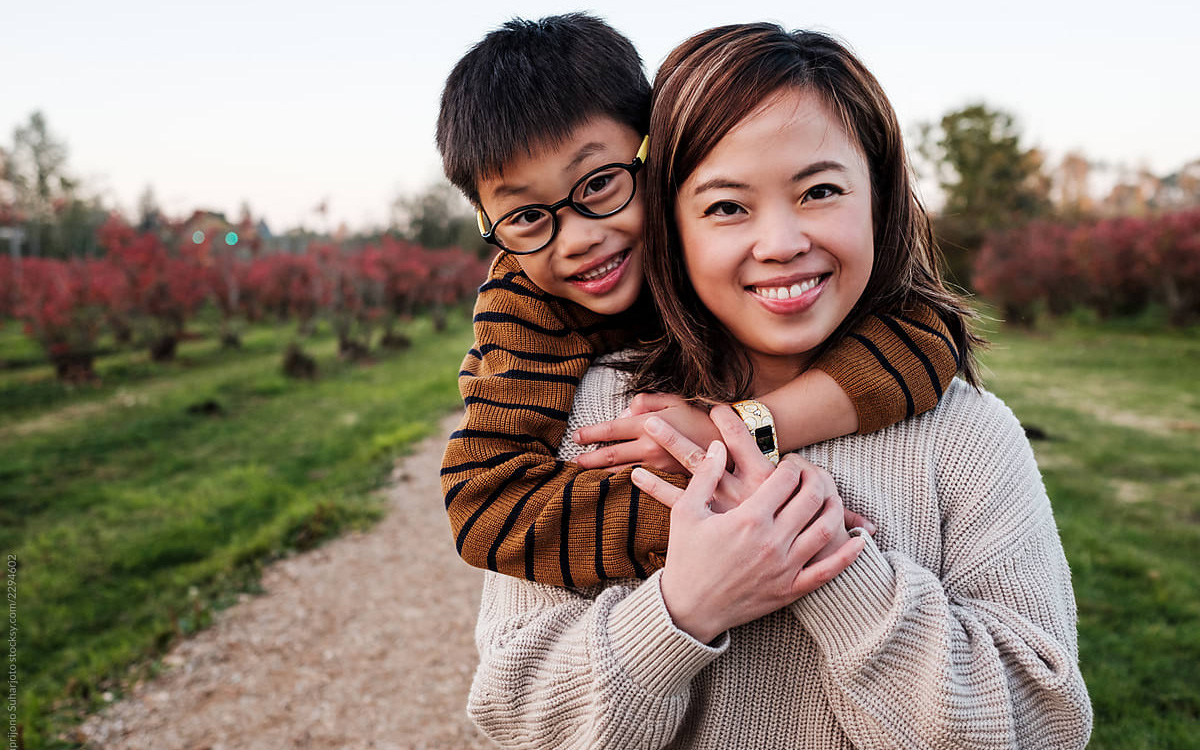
<point>717,183</point>
<point>817,168</point>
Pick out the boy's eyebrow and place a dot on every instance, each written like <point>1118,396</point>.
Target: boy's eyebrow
<point>584,152</point>
<point>812,169</point>
<point>588,149</point>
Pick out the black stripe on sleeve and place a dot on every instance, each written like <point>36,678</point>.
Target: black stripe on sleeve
<point>929,329</point>
<point>506,284</point>
<point>529,540</point>
<point>506,436</point>
<point>466,529</point>
<point>545,411</point>
<point>912,345</point>
<point>537,377</point>
<point>564,548</point>
<point>631,536</point>
<point>908,399</point>
<point>552,359</point>
<point>600,498</point>
<point>453,493</point>
<point>515,513</point>
<point>489,463</point>
<point>496,317</point>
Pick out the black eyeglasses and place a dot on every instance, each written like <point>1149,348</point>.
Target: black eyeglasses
<point>601,192</point>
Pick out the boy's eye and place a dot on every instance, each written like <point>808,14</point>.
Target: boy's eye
<point>724,208</point>
<point>822,192</point>
<point>527,220</point>
<point>597,184</point>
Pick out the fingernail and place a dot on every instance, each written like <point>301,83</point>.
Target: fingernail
<point>638,476</point>
<point>653,425</point>
<point>712,450</point>
<point>870,527</point>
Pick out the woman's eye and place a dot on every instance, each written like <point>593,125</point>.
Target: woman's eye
<point>822,192</point>
<point>723,208</point>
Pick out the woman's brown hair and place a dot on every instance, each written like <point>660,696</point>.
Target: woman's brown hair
<point>706,86</point>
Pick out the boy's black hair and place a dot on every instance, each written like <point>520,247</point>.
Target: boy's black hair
<point>530,83</point>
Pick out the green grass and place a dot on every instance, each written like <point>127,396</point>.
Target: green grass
<point>133,520</point>
<point>1122,465</point>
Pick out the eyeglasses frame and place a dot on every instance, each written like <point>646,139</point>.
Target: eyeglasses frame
<point>489,234</point>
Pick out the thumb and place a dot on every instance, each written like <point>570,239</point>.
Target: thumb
<point>855,520</point>
<point>700,491</point>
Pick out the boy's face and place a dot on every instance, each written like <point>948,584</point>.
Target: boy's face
<point>594,262</point>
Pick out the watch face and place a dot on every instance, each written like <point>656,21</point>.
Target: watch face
<point>765,437</point>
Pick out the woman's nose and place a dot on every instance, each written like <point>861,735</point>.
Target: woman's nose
<point>782,236</point>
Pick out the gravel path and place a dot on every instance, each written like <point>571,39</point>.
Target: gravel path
<point>366,642</point>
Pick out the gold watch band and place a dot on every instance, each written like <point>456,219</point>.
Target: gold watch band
<point>757,418</point>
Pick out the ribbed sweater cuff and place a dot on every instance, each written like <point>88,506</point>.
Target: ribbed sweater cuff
<point>846,612</point>
<point>656,655</point>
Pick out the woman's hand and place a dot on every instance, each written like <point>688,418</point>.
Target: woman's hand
<point>750,469</point>
<point>786,538</point>
<point>630,443</point>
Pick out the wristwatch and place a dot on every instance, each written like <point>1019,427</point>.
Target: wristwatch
<point>757,418</point>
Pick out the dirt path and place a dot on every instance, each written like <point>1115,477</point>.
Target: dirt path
<point>366,642</point>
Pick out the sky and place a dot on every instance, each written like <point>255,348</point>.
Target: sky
<point>288,105</point>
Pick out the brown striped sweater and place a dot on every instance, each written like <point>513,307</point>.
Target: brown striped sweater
<point>516,509</point>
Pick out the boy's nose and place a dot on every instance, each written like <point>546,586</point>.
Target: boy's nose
<point>577,234</point>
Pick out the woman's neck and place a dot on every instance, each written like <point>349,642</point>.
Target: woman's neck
<point>772,372</point>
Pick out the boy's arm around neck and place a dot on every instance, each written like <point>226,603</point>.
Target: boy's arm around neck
<point>889,368</point>
<point>514,508</point>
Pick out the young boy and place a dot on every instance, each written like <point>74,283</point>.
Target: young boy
<point>541,127</point>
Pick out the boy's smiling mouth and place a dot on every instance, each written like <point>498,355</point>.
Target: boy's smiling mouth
<point>602,277</point>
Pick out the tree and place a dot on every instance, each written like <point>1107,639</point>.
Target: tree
<point>435,218</point>
<point>982,167</point>
<point>36,168</point>
<point>990,181</point>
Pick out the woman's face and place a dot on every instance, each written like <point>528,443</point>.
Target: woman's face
<point>776,230</point>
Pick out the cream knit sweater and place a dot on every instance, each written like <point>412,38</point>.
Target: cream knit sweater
<point>955,627</point>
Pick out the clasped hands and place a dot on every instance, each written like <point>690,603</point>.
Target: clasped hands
<point>745,541</point>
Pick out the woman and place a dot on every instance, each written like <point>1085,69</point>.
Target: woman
<point>779,214</point>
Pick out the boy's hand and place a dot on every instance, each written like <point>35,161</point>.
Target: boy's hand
<point>746,475</point>
<point>632,445</point>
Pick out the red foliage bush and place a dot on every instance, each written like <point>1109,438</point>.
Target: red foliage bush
<point>165,289</point>
<point>1115,266</point>
<point>63,305</point>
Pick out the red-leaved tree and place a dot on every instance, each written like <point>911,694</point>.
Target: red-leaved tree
<point>64,305</point>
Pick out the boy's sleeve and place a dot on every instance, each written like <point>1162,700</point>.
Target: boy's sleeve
<point>893,366</point>
<point>514,508</point>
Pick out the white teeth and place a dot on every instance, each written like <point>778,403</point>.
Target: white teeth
<point>603,270</point>
<point>785,292</point>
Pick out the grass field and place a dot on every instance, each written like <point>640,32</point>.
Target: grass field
<point>133,519</point>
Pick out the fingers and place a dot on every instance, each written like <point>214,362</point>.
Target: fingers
<point>628,452</point>
<point>644,403</point>
<point>815,540</point>
<point>687,453</point>
<point>708,473</point>
<point>774,492</point>
<point>628,428</point>
<point>815,576</point>
<point>664,492</point>
<point>854,521</point>
<point>747,456</point>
